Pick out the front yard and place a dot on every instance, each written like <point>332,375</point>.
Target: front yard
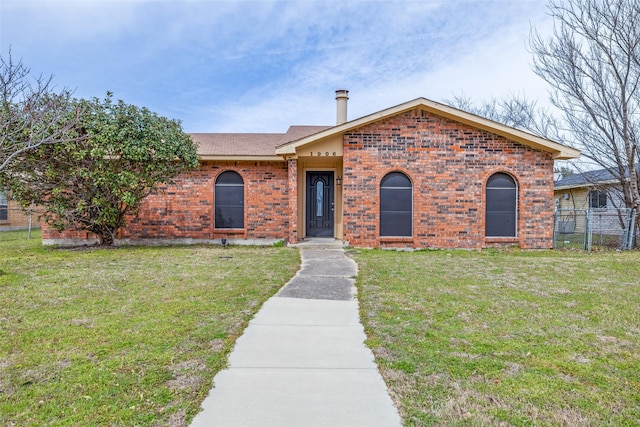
<point>506,337</point>
<point>134,336</point>
<point>123,337</point>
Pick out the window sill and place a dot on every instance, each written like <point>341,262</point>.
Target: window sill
<point>502,240</point>
<point>228,231</point>
<point>396,239</point>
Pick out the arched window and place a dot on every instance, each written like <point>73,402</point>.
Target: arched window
<point>229,200</point>
<point>396,205</point>
<point>501,206</point>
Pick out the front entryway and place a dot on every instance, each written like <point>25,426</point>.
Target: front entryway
<point>320,204</point>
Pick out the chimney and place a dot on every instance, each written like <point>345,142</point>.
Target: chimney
<point>341,99</point>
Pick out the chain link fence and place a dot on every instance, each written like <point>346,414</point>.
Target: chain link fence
<point>594,229</point>
<point>17,224</point>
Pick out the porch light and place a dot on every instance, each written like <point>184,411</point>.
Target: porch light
<point>339,180</point>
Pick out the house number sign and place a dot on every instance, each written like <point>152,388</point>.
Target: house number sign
<point>326,154</point>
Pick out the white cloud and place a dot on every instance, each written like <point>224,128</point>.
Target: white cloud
<point>263,65</point>
<point>382,69</point>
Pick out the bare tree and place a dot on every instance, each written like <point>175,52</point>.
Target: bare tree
<point>592,63</point>
<point>515,111</point>
<point>31,112</point>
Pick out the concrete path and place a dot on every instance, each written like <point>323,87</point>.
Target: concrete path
<point>302,359</point>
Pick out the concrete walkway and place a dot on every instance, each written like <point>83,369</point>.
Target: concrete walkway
<point>302,360</point>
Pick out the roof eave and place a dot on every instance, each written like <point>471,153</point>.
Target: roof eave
<point>586,184</point>
<point>241,158</point>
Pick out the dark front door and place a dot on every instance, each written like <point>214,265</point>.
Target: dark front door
<point>320,204</point>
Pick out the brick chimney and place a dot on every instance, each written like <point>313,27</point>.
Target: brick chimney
<point>342,96</point>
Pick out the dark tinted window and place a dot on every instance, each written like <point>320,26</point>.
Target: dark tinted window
<point>229,200</point>
<point>396,201</point>
<point>501,206</point>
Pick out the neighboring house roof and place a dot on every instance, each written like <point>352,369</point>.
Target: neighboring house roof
<point>248,146</point>
<point>558,151</point>
<point>588,179</point>
<point>585,179</point>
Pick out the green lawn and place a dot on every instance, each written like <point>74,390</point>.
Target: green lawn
<point>134,336</point>
<point>505,337</point>
<point>123,337</point>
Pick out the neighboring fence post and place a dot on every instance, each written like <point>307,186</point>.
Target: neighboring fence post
<point>631,229</point>
<point>555,228</point>
<point>588,235</point>
<point>30,221</point>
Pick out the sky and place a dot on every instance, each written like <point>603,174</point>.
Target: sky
<point>261,66</point>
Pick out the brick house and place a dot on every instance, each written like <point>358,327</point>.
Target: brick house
<point>417,175</point>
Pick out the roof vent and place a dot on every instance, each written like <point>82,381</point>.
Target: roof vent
<point>342,96</point>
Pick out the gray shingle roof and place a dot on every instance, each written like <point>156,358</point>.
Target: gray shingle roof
<point>585,178</point>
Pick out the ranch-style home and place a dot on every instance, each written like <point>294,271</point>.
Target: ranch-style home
<point>417,175</point>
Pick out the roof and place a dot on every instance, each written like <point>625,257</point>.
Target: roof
<point>558,151</point>
<point>273,146</point>
<point>248,146</point>
<point>589,178</point>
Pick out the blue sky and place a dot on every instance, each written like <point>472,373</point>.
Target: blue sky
<point>260,66</point>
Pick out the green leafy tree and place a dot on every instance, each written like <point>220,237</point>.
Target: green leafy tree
<point>124,152</point>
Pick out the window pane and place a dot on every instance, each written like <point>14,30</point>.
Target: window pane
<point>501,206</point>
<point>4,212</point>
<point>597,199</point>
<point>396,206</point>
<point>500,224</point>
<point>229,196</point>
<point>319,198</point>
<point>395,224</point>
<point>501,180</point>
<point>229,201</point>
<point>229,217</point>
<point>229,177</point>
<point>396,199</point>
<point>395,179</point>
<point>501,200</point>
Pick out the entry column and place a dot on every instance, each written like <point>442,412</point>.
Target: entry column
<point>293,200</point>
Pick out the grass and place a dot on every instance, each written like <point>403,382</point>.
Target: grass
<point>127,336</point>
<point>19,235</point>
<point>134,336</point>
<point>505,337</point>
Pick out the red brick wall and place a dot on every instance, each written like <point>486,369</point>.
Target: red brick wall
<point>449,164</point>
<point>185,209</point>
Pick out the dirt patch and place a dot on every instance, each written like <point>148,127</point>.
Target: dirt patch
<point>186,375</point>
